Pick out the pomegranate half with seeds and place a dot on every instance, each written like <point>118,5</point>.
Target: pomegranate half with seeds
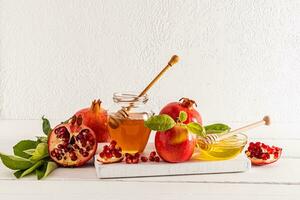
<point>72,144</point>
<point>262,154</point>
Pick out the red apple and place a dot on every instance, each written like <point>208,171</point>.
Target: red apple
<point>175,145</point>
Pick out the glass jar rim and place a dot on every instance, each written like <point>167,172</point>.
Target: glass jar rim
<point>129,97</point>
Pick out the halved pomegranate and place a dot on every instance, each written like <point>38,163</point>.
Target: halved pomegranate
<point>110,153</point>
<point>262,154</point>
<point>72,144</point>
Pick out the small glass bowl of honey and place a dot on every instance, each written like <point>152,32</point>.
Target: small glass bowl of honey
<point>223,150</point>
<point>131,134</point>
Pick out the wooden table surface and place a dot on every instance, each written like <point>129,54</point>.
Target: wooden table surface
<point>280,180</point>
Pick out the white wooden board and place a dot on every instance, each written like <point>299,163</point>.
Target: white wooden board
<point>123,170</point>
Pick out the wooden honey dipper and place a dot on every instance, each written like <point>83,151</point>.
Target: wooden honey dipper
<point>214,138</point>
<point>116,118</point>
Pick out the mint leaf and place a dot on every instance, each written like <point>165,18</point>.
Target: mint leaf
<point>46,126</point>
<point>40,152</point>
<point>46,169</point>
<point>217,128</point>
<point>196,128</point>
<point>23,145</point>
<point>15,163</point>
<point>22,173</point>
<point>182,116</point>
<point>160,123</point>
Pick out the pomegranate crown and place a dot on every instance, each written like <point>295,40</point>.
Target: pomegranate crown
<point>96,105</point>
<point>186,102</point>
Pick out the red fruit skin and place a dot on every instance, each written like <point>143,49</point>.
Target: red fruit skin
<point>173,109</point>
<point>95,118</point>
<point>175,145</point>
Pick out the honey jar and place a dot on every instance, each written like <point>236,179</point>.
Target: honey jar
<point>131,134</point>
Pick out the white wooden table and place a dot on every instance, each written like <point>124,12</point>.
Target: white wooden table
<point>280,180</point>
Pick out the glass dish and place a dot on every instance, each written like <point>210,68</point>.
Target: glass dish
<point>222,150</point>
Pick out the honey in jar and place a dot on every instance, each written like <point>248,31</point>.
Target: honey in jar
<point>131,134</point>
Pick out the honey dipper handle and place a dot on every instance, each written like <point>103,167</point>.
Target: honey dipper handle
<point>265,121</point>
<point>172,62</point>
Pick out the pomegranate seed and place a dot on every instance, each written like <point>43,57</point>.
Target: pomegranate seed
<point>102,155</point>
<point>105,148</point>
<point>59,157</point>
<point>137,155</point>
<point>153,153</point>
<point>127,154</point>
<point>128,160</point>
<point>157,159</point>
<point>257,144</point>
<point>81,151</point>
<point>85,154</point>
<point>113,143</point>
<point>264,146</point>
<point>73,156</point>
<point>83,143</point>
<point>135,160</point>
<point>276,155</point>
<point>108,155</point>
<point>53,154</point>
<point>118,155</point>
<point>151,158</point>
<point>88,148</point>
<point>76,146</point>
<point>144,159</point>
<point>60,146</point>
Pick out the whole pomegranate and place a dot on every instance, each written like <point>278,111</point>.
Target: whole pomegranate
<point>175,144</point>
<point>72,144</point>
<point>95,117</point>
<point>187,105</point>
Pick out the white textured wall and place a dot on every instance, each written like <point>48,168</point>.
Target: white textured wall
<point>239,59</point>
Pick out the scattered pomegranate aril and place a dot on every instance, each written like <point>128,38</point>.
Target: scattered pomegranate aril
<point>262,154</point>
<point>144,159</point>
<point>151,158</point>
<point>153,153</point>
<point>156,159</point>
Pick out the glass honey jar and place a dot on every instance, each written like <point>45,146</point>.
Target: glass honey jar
<point>130,133</point>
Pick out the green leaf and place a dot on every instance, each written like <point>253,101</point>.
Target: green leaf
<point>15,163</point>
<point>23,145</point>
<point>182,116</point>
<point>46,169</point>
<point>46,126</point>
<point>18,173</point>
<point>42,139</point>
<point>29,151</point>
<point>160,123</point>
<point>217,128</point>
<point>40,152</point>
<point>196,128</point>
<point>22,173</point>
